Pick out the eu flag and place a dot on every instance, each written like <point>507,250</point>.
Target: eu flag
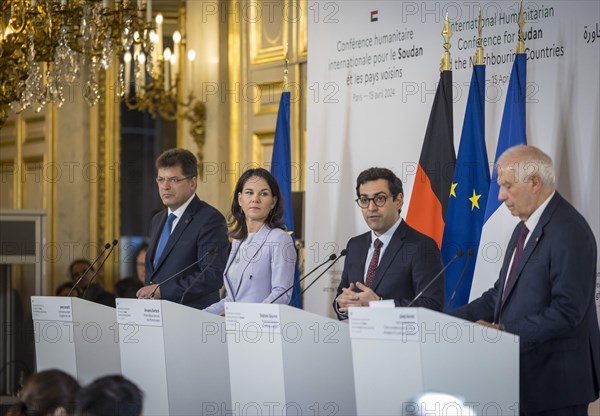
<point>468,196</point>
<point>281,168</point>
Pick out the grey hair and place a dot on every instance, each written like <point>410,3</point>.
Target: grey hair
<point>529,160</point>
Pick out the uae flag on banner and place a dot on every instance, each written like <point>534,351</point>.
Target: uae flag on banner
<point>429,200</point>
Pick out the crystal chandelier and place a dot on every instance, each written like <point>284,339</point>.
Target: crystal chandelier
<point>153,84</point>
<point>46,44</point>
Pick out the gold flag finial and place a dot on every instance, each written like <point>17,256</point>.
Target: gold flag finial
<point>521,41</point>
<point>479,49</point>
<point>446,62</point>
<point>285,70</point>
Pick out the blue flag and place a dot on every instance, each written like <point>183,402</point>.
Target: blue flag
<point>499,223</point>
<point>281,168</point>
<point>512,129</point>
<point>468,196</point>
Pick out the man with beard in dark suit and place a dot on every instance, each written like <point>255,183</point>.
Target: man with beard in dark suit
<point>393,260</point>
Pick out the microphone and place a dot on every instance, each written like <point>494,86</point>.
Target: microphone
<point>342,254</point>
<point>455,291</point>
<point>106,247</point>
<point>209,251</point>
<point>459,253</point>
<point>114,243</point>
<point>330,258</point>
<point>213,250</point>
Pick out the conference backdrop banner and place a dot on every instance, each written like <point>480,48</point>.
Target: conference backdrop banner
<point>372,76</point>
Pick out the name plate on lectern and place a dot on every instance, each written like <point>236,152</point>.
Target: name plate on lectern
<point>259,317</point>
<point>146,312</point>
<point>56,308</point>
<point>398,324</point>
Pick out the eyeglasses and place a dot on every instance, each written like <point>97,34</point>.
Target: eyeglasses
<point>379,200</point>
<point>171,181</point>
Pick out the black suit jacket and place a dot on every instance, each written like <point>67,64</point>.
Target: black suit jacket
<point>407,266</point>
<point>551,307</point>
<point>200,228</point>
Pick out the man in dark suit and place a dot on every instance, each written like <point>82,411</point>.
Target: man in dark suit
<point>186,232</point>
<point>545,292</point>
<point>393,260</point>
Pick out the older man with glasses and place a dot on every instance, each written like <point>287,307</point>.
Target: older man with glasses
<point>393,260</point>
<point>188,240</point>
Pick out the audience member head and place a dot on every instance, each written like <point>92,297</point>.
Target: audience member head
<point>65,288</point>
<point>47,393</point>
<point>380,198</point>
<point>256,198</point>
<point>110,395</point>
<point>140,262</point>
<point>76,270</point>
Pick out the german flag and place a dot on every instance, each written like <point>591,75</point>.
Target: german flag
<point>431,191</point>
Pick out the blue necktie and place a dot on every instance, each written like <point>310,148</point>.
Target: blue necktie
<point>164,237</point>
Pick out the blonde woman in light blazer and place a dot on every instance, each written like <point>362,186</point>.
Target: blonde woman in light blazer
<point>262,260</point>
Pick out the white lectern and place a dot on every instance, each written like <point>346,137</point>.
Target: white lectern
<point>284,360</point>
<point>400,353</point>
<point>76,336</point>
<point>176,354</point>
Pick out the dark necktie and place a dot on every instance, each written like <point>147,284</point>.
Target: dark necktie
<point>374,262</point>
<point>164,237</point>
<point>518,252</point>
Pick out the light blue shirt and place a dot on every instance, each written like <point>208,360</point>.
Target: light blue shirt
<point>179,212</point>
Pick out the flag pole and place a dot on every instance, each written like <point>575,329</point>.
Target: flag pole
<point>286,87</point>
<point>479,49</point>
<point>446,62</point>
<point>521,41</point>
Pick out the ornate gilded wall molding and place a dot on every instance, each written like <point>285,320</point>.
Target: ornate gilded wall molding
<point>104,158</point>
